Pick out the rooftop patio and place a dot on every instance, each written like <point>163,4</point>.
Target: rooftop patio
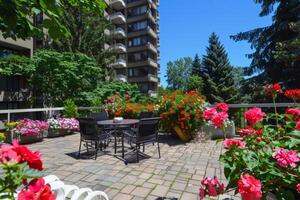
<point>176,175</point>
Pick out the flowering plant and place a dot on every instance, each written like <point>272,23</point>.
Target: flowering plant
<point>293,94</point>
<point>211,187</point>
<point>68,123</point>
<point>18,165</point>
<point>30,127</point>
<point>266,159</point>
<point>54,123</point>
<point>184,110</point>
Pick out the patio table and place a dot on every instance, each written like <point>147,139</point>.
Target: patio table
<point>118,129</point>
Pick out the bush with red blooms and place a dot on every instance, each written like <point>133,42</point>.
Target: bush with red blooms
<point>19,164</point>
<point>210,187</point>
<point>267,157</point>
<point>184,110</point>
<point>293,94</point>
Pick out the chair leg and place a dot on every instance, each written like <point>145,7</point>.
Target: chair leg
<point>115,145</point>
<point>87,147</point>
<point>143,147</point>
<point>137,152</point>
<point>96,150</point>
<point>79,150</point>
<point>158,149</point>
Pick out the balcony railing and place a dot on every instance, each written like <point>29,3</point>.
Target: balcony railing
<point>120,48</point>
<point>117,4</point>
<point>121,77</point>
<point>117,18</point>
<point>120,63</point>
<point>118,33</point>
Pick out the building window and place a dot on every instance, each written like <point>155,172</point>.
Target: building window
<point>138,72</point>
<point>138,26</point>
<point>136,57</point>
<point>138,41</point>
<point>132,12</point>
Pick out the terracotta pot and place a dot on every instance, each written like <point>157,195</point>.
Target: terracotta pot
<point>182,134</point>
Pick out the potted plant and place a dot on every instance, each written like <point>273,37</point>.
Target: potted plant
<point>182,112</point>
<point>26,131</point>
<point>68,125</point>
<point>54,128</point>
<point>218,124</point>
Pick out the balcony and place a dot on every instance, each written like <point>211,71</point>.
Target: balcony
<point>147,31</point>
<point>147,46</point>
<point>138,3</point>
<point>120,63</point>
<point>118,33</point>
<point>121,77</point>
<point>149,62</point>
<point>117,18</point>
<point>147,15</point>
<point>119,48</point>
<point>117,4</point>
<point>147,78</point>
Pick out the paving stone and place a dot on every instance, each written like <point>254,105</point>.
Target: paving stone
<point>121,196</point>
<point>128,189</point>
<point>178,186</point>
<point>141,191</point>
<point>145,175</point>
<point>189,196</point>
<point>160,191</point>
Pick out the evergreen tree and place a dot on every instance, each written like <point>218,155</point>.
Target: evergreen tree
<point>196,66</point>
<point>218,77</point>
<point>277,47</point>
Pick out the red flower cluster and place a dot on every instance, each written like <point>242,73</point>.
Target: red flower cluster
<point>37,189</point>
<point>254,115</point>
<point>293,94</point>
<point>217,115</point>
<point>286,158</point>
<point>229,143</point>
<point>248,131</point>
<point>18,154</point>
<point>298,187</point>
<point>272,89</point>
<point>249,188</point>
<point>210,186</point>
<point>295,112</point>
<point>298,126</point>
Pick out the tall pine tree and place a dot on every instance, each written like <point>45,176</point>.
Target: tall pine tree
<point>196,66</point>
<point>277,47</point>
<point>218,77</point>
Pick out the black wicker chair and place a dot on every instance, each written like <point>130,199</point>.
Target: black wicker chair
<point>91,135</point>
<point>146,132</point>
<point>101,116</point>
<point>144,115</point>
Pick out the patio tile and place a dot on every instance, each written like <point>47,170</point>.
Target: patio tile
<point>160,191</point>
<point>189,196</point>
<point>141,191</point>
<point>121,196</point>
<point>128,189</point>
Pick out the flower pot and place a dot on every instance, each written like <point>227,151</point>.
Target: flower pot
<point>63,132</point>
<point>217,133</point>
<point>22,139</point>
<point>53,133</point>
<point>182,134</point>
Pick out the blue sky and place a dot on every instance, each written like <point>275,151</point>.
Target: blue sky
<point>185,26</point>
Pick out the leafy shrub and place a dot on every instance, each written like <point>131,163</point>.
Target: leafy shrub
<point>16,66</point>
<point>70,109</point>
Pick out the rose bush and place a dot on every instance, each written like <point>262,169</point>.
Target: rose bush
<point>19,164</point>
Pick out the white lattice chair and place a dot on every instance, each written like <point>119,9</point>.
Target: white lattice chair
<point>72,192</point>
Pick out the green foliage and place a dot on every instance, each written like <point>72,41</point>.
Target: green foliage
<point>87,30</point>
<point>16,65</point>
<point>15,21</point>
<point>195,83</point>
<point>61,76</point>
<point>277,49</point>
<point>111,88</point>
<point>196,66</point>
<point>219,85</point>
<point>178,73</point>
<point>70,109</point>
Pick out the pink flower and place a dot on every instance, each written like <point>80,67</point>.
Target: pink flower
<point>298,187</point>
<point>254,115</point>
<point>209,113</point>
<point>298,126</point>
<point>249,188</point>
<point>222,107</point>
<point>247,131</point>
<point>228,143</point>
<point>210,186</point>
<point>219,118</point>
<point>286,158</point>
<point>8,154</point>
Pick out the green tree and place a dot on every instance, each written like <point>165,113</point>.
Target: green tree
<point>16,17</point>
<point>70,109</point>
<point>277,46</point>
<point>88,36</point>
<point>219,85</point>
<point>195,83</point>
<point>196,66</point>
<point>62,76</point>
<point>178,73</point>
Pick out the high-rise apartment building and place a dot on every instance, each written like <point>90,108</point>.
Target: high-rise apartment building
<point>136,42</point>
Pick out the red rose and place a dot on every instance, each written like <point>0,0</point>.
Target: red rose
<point>8,154</point>
<point>249,188</point>
<point>33,159</point>
<point>298,187</point>
<point>222,107</point>
<point>254,115</point>
<point>209,113</point>
<point>218,119</point>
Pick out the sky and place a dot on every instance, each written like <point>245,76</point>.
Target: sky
<point>185,26</point>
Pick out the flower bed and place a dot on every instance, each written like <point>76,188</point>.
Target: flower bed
<point>26,131</point>
<point>62,126</point>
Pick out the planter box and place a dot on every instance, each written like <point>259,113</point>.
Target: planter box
<point>216,133</point>
<point>22,139</point>
<point>53,133</point>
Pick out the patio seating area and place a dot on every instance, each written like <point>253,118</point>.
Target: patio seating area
<point>177,174</point>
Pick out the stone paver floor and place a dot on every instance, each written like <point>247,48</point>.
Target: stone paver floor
<point>176,174</point>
